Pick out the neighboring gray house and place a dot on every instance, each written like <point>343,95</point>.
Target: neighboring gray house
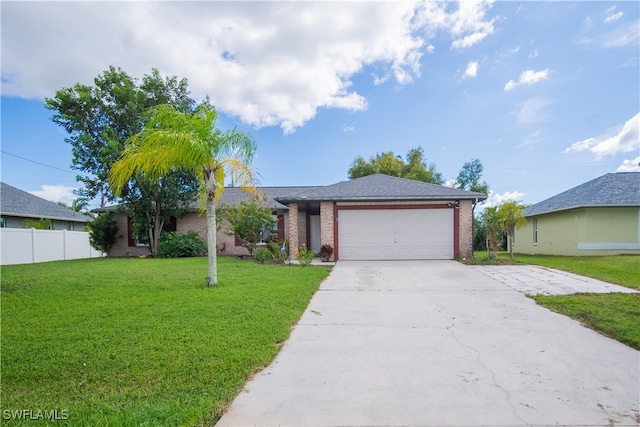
<point>377,217</point>
<point>17,205</point>
<point>599,217</point>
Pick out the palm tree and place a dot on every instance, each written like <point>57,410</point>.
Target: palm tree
<point>173,141</point>
<point>511,217</point>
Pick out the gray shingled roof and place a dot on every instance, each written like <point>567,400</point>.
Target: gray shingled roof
<point>233,195</point>
<point>15,202</point>
<point>612,189</point>
<point>380,187</point>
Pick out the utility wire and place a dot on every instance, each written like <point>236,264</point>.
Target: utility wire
<point>37,163</point>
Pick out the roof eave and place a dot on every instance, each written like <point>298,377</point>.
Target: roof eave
<point>479,198</point>
<point>56,218</point>
<point>626,205</point>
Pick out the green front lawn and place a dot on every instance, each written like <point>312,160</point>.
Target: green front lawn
<point>142,341</point>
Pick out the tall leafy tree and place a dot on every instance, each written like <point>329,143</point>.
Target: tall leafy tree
<point>176,141</point>
<point>511,217</point>
<point>151,202</point>
<point>414,167</point>
<point>470,177</point>
<point>489,218</point>
<point>99,119</point>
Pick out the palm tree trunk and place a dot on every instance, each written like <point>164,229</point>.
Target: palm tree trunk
<point>212,276</point>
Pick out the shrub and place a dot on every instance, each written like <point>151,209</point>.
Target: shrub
<point>325,252</point>
<point>41,224</point>
<point>262,255</point>
<point>103,232</point>
<point>250,221</point>
<point>304,256</point>
<point>278,247</point>
<point>180,245</point>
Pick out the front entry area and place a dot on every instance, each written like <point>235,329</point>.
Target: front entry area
<point>395,234</point>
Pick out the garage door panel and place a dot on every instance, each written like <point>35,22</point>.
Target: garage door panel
<point>379,234</point>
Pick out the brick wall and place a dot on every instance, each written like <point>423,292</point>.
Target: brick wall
<point>465,236</point>
<point>293,230</point>
<point>122,248</point>
<point>225,244</point>
<point>326,225</point>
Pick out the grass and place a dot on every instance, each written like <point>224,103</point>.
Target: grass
<point>615,315</point>
<point>621,270</point>
<point>142,342</point>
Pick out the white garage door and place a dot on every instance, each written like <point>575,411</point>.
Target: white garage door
<point>395,234</point>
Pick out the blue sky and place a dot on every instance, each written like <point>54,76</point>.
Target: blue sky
<point>545,94</point>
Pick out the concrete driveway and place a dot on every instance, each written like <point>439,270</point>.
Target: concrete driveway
<point>533,279</point>
<point>438,343</point>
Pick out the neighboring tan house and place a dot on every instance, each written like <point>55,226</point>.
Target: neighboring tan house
<point>377,217</point>
<point>17,205</point>
<point>599,217</point>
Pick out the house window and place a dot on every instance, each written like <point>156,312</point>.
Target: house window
<point>3,224</point>
<point>133,240</point>
<point>535,231</point>
<point>169,226</point>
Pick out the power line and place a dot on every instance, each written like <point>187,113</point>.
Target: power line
<point>37,163</point>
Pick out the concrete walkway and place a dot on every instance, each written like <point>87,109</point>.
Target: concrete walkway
<point>533,279</point>
<point>438,343</point>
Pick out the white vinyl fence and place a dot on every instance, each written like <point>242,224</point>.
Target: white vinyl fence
<point>28,245</point>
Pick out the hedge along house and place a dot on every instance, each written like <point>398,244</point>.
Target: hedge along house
<point>599,217</point>
<point>377,217</point>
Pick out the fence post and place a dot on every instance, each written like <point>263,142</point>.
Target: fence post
<point>33,245</point>
<point>64,244</point>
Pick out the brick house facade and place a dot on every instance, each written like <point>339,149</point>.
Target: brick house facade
<point>374,217</point>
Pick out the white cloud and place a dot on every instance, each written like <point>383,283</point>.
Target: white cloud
<point>621,36</point>
<point>451,183</point>
<point>528,77</point>
<point>496,199</point>
<point>56,193</point>
<point>632,165</point>
<point>533,54</point>
<point>624,140</point>
<point>533,111</point>
<point>612,15</point>
<point>348,128</point>
<point>267,63</point>
<point>471,70</point>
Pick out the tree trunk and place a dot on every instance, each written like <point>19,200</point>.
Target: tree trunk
<point>511,232</point>
<point>212,276</point>
<point>158,224</point>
